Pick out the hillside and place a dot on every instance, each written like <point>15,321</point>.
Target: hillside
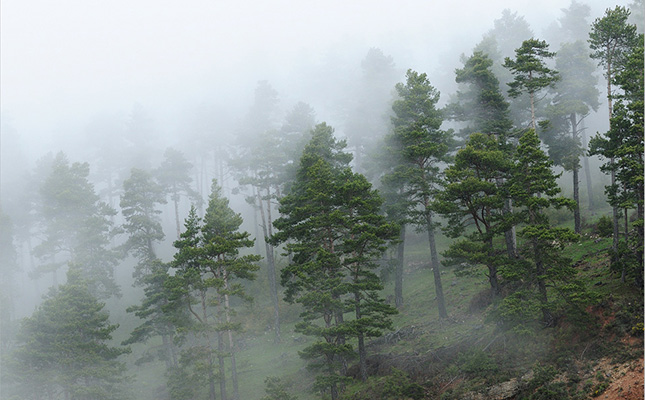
<point>597,353</point>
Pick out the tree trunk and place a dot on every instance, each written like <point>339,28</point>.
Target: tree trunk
<point>339,319</point>
<point>576,198</point>
<point>222,368</point>
<point>211,376</point>
<point>256,195</point>
<point>612,161</point>
<point>273,286</point>
<point>398,280</point>
<point>615,213</point>
<point>492,270</point>
<point>576,179</point>
<point>531,96</point>
<point>362,353</point>
<point>510,236</point>
<point>435,268</point>
<point>231,345</point>
<point>539,271</point>
<point>587,168</point>
<point>175,200</point>
<point>166,346</point>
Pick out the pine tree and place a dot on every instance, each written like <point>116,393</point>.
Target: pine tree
<point>531,74</point>
<point>575,96</point>
<point>534,189</point>
<point>421,146</point>
<point>139,201</point>
<point>610,39</point>
<point>486,110</point>
<point>64,347</point>
<point>333,232</point>
<point>208,263</point>
<point>174,176</point>
<point>482,106</point>
<point>472,197</point>
<point>623,147</point>
<point>77,227</point>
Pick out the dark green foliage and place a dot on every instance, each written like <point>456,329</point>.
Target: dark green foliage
<point>531,74</point>
<point>474,203</point>
<point>208,269</point>
<point>483,105</point>
<point>623,148</point>
<point>420,146</point>
<point>478,363</point>
<point>533,188</point>
<point>529,68</point>
<point>64,347</point>
<point>77,227</point>
<point>141,196</point>
<point>611,39</point>
<point>139,202</point>
<point>334,234</point>
<point>604,226</point>
<point>399,386</point>
<point>276,390</point>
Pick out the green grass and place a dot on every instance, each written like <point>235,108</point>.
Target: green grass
<point>261,357</point>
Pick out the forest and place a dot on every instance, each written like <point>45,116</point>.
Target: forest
<point>481,244</point>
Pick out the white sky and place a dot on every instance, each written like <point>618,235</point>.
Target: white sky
<point>63,61</point>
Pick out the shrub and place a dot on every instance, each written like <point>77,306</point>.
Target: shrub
<point>604,227</point>
<point>478,363</point>
<point>398,385</point>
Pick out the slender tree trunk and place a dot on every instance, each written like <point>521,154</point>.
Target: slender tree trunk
<point>492,270</point>
<point>166,346</point>
<point>398,280</point>
<point>539,271</point>
<point>510,235</point>
<point>576,197</point>
<point>231,344</point>
<point>639,231</point>
<point>587,168</point>
<point>211,376</point>
<point>333,390</point>
<point>273,287</point>
<point>612,160</point>
<point>531,96</point>
<point>339,319</point>
<point>362,352</point>
<point>175,200</point>
<point>576,179</point>
<point>615,212</point>
<point>222,367</point>
<point>204,320</point>
<point>256,195</point>
<point>435,268</point>
<point>626,225</point>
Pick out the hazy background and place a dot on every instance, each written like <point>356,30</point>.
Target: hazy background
<point>65,64</point>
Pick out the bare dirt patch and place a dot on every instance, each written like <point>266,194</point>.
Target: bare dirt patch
<point>626,381</point>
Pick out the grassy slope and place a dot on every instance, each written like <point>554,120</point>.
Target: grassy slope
<point>462,353</point>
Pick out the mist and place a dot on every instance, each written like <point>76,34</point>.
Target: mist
<point>116,83</point>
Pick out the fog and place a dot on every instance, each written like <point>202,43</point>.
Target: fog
<point>76,75</point>
<point>65,63</point>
